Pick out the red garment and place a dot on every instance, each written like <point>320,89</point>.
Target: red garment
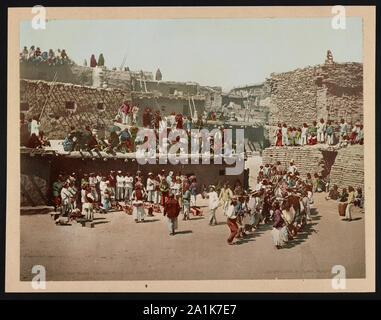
<point>213,117</point>
<point>232,224</point>
<point>139,194</point>
<point>112,181</point>
<point>157,120</point>
<point>34,142</point>
<point>57,201</point>
<point>279,138</point>
<point>88,199</point>
<point>146,119</point>
<point>172,208</point>
<point>93,143</point>
<point>128,145</point>
<point>164,197</point>
<point>179,121</point>
<point>93,62</point>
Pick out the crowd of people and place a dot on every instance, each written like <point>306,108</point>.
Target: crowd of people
<point>128,114</point>
<point>34,54</point>
<point>319,133</point>
<point>281,197</point>
<point>75,196</point>
<point>127,140</point>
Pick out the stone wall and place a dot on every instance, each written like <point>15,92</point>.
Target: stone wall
<point>329,91</point>
<point>69,105</point>
<point>306,159</point>
<point>346,165</point>
<point>64,72</point>
<point>348,168</point>
<point>165,87</point>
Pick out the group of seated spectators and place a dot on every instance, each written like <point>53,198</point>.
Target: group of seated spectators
<point>51,57</point>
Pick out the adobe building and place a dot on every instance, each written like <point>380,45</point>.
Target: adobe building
<point>249,103</point>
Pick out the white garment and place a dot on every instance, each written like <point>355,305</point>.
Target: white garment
<point>35,127</point>
<point>213,200</point>
<point>230,213</point>
<point>292,169</point>
<point>120,181</point>
<point>128,181</point>
<point>320,127</point>
<point>92,181</point>
<point>150,184</point>
<point>65,195</point>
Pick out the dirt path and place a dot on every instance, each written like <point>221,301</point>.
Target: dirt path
<point>119,249</point>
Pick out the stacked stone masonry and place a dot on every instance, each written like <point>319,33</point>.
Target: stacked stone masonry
<point>69,105</point>
<point>348,169</point>
<point>346,165</point>
<point>329,91</point>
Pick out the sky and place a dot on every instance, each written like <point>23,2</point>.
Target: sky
<point>214,52</point>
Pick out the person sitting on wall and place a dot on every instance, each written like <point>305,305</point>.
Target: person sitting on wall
<point>24,54</point>
<point>43,141</point>
<point>32,50</point>
<point>64,57</point>
<point>68,143</point>
<point>125,141</point>
<point>312,139</point>
<point>34,142</point>
<point>51,58</point>
<point>113,140</point>
<point>37,55</point>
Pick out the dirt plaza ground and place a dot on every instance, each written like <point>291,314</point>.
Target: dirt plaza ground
<point>119,249</point>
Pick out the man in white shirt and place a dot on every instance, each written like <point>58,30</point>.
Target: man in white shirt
<point>65,199</point>
<point>119,186</point>
<point>93,183</point>
<point>304,134</point>
<point>232,221</point>
<point>292,168</point>
<point>343,130</point>
<point>102,188</point>
<point>213,205</point>
<point>128,186</point>
<point>35,126</point>
<point>150,187</point>
<point>321,127</point>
